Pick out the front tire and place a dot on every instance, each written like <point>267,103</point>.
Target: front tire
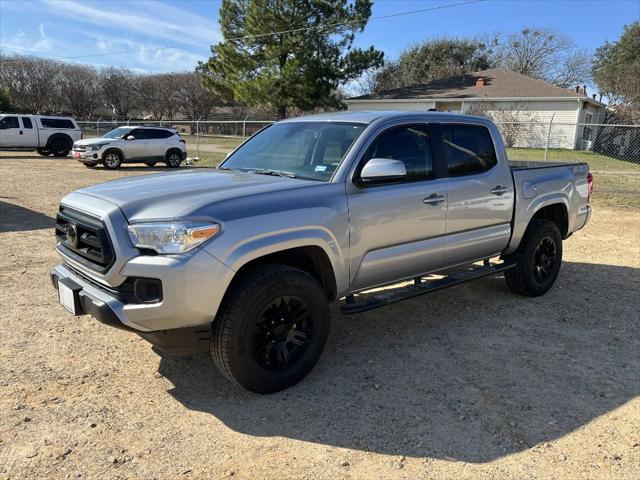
<point>112,160</point>
<point>271,329</point>
<point>537,260</point>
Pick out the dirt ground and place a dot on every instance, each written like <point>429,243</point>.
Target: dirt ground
<point>467,383</point>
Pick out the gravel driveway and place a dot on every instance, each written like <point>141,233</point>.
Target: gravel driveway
<point>467,383</point>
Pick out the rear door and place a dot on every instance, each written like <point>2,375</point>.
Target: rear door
<point>396,229</point>
<point>157,142</point>
<point>479,191</point>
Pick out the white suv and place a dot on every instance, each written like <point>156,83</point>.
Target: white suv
<point>148,145</point>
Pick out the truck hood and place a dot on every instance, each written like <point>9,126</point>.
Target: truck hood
<point>185,194</point>
<point>94,141</point>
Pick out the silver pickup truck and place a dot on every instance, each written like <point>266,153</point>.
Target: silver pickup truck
<point>243,260</point>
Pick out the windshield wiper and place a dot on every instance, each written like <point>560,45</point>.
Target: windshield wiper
<point>274,173</point>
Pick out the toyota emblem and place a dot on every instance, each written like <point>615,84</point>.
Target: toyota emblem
<point>72,235</point>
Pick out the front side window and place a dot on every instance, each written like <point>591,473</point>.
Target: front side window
<point>309,150</point>
<point>9,122</point>
<point>411,144</point>
<point>26,122</point>
<point>139,133</point>
<point>467,149</point>
<point>57,123</point>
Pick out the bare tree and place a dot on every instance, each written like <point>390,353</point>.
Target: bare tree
<point>514,123</point>
<point>32,83</point>
<point>118,90</point>
<point>195,101</point>
<point>542,53</point>
<point>81,89</point>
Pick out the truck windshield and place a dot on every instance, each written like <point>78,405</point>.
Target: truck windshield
<point>117,132</point>
<point>308,150</point>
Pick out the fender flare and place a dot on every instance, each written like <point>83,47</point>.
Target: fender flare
<point>252,249</point>
<point>111,149</point>
<point>520,226</point>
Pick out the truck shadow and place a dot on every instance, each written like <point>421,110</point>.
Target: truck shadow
<point>14,218</point>
<point>471,373</point>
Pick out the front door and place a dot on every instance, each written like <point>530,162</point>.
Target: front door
<point>479,192</point>
<point>396,230</point>
<point>137,150</point>
<point>11,134</point>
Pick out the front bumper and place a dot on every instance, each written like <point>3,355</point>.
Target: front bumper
<point>87,156</point>
<point>192,289</point>
<point>91,301</point>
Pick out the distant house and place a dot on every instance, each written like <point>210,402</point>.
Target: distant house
<point>506,97</point>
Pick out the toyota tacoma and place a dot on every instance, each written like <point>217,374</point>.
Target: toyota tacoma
<point>243,260</point>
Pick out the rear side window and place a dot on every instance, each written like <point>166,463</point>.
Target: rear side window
<point>26,122</point>
<point>9,122</point>
<point>467,149</point>
<point>57,123</point>
<point>411,144</point>
<point>156,134</point>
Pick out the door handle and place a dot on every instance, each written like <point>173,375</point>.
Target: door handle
<point>499,190</point>
<point>434,199</point>
<point>20,132</point>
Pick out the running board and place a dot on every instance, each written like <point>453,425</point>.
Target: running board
<point>421,287</point>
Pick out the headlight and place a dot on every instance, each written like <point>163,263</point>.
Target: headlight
<point>174,237</point>
<point>98,147</point>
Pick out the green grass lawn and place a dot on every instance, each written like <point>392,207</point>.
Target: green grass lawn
<point>596,162</point>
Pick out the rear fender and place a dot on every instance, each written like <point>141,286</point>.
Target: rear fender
<point>525,212</point>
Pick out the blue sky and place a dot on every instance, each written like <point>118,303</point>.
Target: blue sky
<point>159,35</point>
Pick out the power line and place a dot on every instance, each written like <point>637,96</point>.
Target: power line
<point>337,24</point>
<point>261,35</point>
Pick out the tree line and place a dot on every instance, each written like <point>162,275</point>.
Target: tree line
<point>37,85</point>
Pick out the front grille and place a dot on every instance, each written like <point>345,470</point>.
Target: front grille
<point>84,239</point>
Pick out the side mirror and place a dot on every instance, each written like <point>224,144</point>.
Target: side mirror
<point>130,137</point>
<point>381,170</point>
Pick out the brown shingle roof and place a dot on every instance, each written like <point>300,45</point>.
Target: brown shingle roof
<point>498,83</point>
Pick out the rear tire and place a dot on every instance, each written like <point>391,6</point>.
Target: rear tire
<point>271,329</point>
<point>59,148</point>
<point>537,260</point>
<point>43,151</point>
<point>173,158</point>
<point>112,159</point>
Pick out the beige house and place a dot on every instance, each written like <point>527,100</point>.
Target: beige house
<point>522,106</point>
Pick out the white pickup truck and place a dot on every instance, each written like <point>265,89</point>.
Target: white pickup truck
<point>47,135</point>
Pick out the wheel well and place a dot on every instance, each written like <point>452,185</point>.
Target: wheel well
<point>556,213</point>
<point>59,136</point>
<point>113,149</point>
<point>172,149</point>
<point>311,259</point>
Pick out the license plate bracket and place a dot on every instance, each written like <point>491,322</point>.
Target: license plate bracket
<point>68,295</point>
